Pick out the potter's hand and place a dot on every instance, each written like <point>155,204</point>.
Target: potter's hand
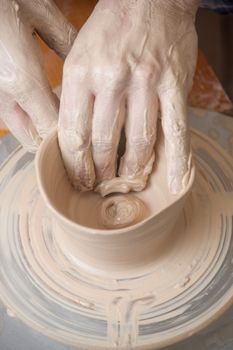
<point>134,53</point>
<point>27,104</point>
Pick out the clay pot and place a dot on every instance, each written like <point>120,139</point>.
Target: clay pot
<point>79,228</point>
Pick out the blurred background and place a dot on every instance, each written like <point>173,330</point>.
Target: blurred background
<point>215,34</point>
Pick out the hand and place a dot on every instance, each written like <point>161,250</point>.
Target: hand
<point>134,53</point>
<point>27,104</point>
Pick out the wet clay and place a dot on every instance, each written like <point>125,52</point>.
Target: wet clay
<point>141,301</point>
<point>114,234</point>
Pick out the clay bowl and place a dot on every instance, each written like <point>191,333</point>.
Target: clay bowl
<point>79,219</point>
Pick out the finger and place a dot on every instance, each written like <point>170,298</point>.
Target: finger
<point>137,162</point>
<point>50,24</point>
<point>40,104</point>
<point>177,145</point>
<point>74,133</point>
<point>140,130</point>
<point>19,123</point>
<point>106,130</point>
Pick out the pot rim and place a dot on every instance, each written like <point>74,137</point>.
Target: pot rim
<point>73,225</point>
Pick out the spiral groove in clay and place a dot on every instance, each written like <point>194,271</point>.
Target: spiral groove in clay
<point>121,211</point>
<point>187,285</point>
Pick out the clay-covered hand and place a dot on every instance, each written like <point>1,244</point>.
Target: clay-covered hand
<point>27,104</point>
<point>135,53</point>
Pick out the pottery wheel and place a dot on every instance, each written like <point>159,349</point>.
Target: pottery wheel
<point>189,284</point>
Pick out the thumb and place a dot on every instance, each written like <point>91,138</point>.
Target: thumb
<point>50,24</point>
